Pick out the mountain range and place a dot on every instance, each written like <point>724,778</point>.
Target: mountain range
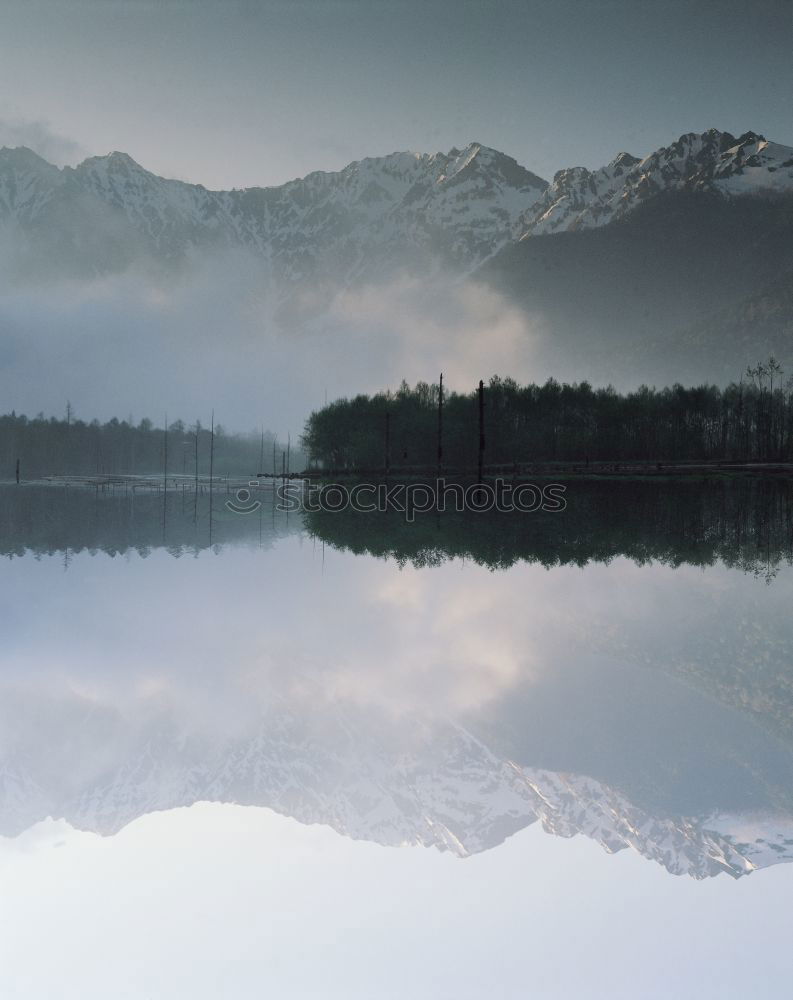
<point>673,265</point>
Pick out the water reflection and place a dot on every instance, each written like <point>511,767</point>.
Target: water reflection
<point>625,676</point>
<point>744,523</point>
<point>45,519</point>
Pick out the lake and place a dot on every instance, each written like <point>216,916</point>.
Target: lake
<point>318,754</point>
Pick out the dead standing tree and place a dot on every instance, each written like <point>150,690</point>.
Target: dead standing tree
<point>195,494</point>
<point>481,455</point>
<point>387,443</point>
<point>211,471</point>
<point>440,426</point>
<point>165,475</point>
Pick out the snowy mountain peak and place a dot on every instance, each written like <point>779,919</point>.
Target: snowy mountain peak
<point>24,158</point>
<point>113,163</point>
<point>27,184</point>
<point>712,161</point>
<point>623,161</point>
<point>404,210</point>
<point>118,160</point>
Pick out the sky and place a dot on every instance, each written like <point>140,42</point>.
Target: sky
<point>231,93</point>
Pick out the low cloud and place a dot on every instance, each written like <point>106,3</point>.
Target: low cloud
<point>40,137</point>
<point>145,342</point>
<point>421,327</point>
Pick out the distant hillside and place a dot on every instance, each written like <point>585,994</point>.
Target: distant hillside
<point>685,288</point>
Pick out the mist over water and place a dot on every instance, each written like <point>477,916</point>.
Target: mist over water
<point>586,644</point>
<point>212,333</point>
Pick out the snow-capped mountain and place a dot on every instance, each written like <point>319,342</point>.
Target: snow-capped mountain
<point>703,233</point>
<point>459,207</point>
<point>713,161</point>
<point>449,791</point>
<point>407,209</point>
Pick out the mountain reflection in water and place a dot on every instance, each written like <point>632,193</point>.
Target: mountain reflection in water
<point>626,673</point>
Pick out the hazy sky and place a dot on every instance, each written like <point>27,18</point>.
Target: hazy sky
<point>235,93</point>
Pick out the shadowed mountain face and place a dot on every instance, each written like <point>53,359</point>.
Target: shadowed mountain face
<point>643,701</point>
<point>687,287</point>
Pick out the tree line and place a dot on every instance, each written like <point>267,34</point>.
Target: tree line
<point>425,426</point>
<point>50,446</point>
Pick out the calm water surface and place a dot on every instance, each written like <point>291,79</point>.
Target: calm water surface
<point>346,756</point>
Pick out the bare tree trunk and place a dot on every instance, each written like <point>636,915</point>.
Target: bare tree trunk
<point>211,471</point>
<point>165,476</point>
<point>481,455</point>
<point>440,425</point>
<point>387,443</point>
<point>195,496</point>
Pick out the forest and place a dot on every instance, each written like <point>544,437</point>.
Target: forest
<point>52,447</point>
<point>504,423</point>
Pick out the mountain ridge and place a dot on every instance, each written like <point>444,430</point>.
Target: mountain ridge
<point>629,270</point>
<point>421,199</point>
<point>712,161</point>
<point>461,206</point>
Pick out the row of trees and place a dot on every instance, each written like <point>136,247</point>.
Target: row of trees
<point>48,446</point>
<point>751,419</point>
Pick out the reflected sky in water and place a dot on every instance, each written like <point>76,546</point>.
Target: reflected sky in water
<point>279,766</point>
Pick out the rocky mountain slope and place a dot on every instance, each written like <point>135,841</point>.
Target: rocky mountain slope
<point>109,211</point>
<point>460,206</point>
<point>714,162</point>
